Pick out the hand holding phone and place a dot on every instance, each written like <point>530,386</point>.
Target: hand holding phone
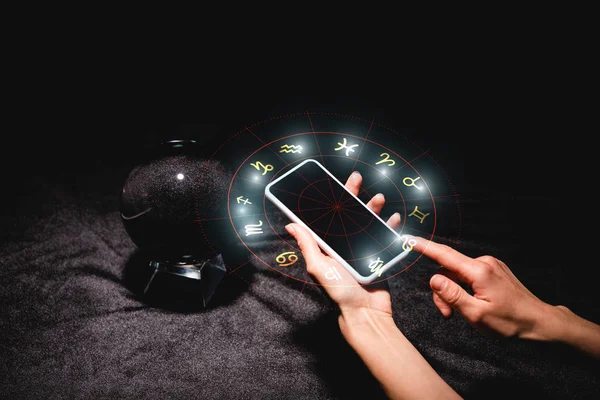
<point>345,292</point>
<point>348,230</point>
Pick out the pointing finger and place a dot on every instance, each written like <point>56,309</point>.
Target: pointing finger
<point>451,259</point>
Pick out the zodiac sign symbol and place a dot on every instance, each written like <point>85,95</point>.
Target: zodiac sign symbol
<point>408,244</point>
<point>348,148</point>
<point>412,182</point>
<point>254,229</point>
<point>386,159</point>
<point>333,274</point>
<point>418,214</point>
<point>258,165</point>
<point>242,200</point>
<point>374,266</point>
<point>281,259</point>
<point>286,149</point>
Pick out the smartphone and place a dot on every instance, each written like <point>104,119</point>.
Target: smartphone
<point>343,226</point>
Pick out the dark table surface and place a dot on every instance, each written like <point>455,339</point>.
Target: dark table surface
<point>73,326</point>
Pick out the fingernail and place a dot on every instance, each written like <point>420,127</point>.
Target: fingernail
<point>356,174</point>
<point>380,195</point>
<point>290,229</point>
<point>397,215</point>
<point>438,283</point>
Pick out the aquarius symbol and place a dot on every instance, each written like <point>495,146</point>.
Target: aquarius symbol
<point>376,265</point>
<point>408,244</point>
<point>412,182</point>
<point>348,148</point>
<point>258,165</point>
<point>386,159</point>
<point>286,149</point>
<point>281,259</point>
<point>254,229</point>
<point>418,214</point>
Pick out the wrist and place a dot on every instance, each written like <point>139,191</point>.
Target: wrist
<point>551,324</point>
<point>360,322</point>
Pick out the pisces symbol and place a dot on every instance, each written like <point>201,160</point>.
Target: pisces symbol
<point>343,145</point>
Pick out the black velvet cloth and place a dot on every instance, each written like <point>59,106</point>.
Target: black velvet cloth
<point>73,325</point>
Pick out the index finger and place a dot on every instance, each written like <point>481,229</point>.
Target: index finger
<point>446,256</point>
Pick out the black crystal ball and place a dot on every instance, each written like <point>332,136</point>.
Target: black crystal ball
<point>165,198</point>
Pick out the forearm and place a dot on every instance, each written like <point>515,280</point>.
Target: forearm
<point>392,359</point>
<point>567,327</point>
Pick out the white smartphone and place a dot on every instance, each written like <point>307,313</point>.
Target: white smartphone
<point>343,226</point>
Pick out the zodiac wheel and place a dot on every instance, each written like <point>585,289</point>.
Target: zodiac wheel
<point>390,163</point>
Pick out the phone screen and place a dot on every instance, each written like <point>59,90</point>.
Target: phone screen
<point>338,218</point>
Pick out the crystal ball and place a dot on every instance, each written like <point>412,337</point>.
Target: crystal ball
<point>165,196</point>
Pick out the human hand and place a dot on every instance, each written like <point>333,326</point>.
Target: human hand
<point>347,292</point>
<point>500,303</point>
<point>366,320</point>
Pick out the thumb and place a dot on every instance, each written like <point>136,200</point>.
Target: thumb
<point>451,293</point>
<point>308,245</point>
